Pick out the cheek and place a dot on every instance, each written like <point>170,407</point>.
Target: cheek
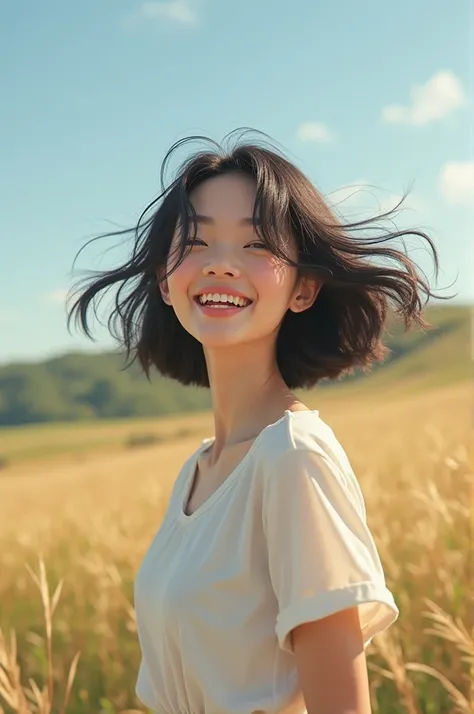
<point>275,277</point>
<point>180,281</point>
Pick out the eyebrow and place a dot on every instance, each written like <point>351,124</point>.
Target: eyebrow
<point>209,220</point>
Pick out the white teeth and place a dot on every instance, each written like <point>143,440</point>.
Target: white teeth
<point>217,297</point>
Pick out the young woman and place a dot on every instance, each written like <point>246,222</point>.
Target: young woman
<point>263,586</point>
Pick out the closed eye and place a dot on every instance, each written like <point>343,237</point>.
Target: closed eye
<point>196,241</point>
<point>259,244</point>
<point>193,241</point>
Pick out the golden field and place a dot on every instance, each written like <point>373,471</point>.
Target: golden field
<point>76,521</point>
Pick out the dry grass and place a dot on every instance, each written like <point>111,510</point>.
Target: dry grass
<point>83,528</point>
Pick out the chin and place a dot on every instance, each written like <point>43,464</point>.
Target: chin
<point>220,341</point>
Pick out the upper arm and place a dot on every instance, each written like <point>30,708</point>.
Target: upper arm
<point>331,664</point>
<point>322,557</point>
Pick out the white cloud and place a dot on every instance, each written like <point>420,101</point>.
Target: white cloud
<point>435,99</point>
<point>56,297</point>
<point>181,11</point>
<point>412,203</point>
<point>362,195</point>
<point>314,131</point>
<point>348,195</point>
<point>456,182</point>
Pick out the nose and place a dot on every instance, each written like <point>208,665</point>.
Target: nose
<point>221,263</point>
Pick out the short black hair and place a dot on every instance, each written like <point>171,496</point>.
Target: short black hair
<point>344,327</point>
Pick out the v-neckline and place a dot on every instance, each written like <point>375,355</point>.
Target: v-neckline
<point>193,473</point>
<point>215,495</point>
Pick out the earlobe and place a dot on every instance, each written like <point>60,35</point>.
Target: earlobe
<point>163,288</point>
<point>306,297</point>
<point>299,304</point>
<point>165,295</point>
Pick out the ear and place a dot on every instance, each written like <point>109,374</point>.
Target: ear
<point>163,287</point>
<point>305,294</point>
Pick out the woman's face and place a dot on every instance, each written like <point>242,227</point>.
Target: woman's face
<point>229,259</point>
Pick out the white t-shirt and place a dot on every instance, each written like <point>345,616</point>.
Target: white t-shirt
<point>283,541</point>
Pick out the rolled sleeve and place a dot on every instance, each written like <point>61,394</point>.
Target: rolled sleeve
<point>321,554</point>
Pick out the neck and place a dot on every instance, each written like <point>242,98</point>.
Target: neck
<point>248,392</point>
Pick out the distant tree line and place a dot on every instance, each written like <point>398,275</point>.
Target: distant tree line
<point>86,386</point>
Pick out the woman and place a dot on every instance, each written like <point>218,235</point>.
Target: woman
<point>263,586</point>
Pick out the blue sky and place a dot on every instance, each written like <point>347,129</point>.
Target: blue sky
<point>94,93</point>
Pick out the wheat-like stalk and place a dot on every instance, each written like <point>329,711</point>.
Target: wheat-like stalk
<point>96,518</point>
<point>453,630</point>
<point>33,700</point>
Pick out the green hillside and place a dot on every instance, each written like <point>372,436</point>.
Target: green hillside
<point>422,359</point>
<point>88,387</point>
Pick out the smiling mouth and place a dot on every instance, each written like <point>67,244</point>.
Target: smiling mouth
<point>229,302</point>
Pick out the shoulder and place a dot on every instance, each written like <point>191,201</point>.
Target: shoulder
<point>302,445</point>
<point>299,432</point>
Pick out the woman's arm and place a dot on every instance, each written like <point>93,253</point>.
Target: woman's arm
<point>331,664</point>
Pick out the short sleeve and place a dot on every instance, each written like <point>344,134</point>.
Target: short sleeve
<point>321,554</point>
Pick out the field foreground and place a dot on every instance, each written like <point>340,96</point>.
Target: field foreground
<point>79,529</point>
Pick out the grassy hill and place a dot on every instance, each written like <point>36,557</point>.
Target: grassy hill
<point>420,359</point>
<point>84,387</point>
